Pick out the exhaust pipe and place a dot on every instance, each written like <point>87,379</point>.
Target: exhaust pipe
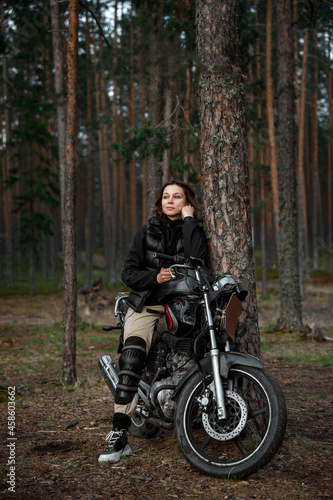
<point>109,371</point>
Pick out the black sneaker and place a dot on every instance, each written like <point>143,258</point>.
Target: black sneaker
<point>117,446</point>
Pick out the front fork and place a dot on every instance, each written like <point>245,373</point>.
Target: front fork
<point>215,357</point>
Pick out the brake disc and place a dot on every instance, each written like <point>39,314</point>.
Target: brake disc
<point>230,427</point>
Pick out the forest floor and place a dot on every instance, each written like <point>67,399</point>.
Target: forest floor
<point>60,430</point>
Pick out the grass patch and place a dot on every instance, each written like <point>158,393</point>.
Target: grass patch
<point>324,359</point>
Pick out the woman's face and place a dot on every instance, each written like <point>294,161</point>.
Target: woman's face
<point>173,200</point>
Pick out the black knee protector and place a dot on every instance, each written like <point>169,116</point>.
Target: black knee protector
<point>131,364</point>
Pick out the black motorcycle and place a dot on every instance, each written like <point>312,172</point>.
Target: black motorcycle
<point>227,411</point>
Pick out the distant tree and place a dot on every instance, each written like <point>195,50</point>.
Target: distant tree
<point>6,161</point>
<point>270,118</point>
<point>301,186</point>
<point>58,60</point>
<point>70,283</point>
<point>224,165</point>
<point>90,180</point>
<point>290,301</point>
<point>155,100</point>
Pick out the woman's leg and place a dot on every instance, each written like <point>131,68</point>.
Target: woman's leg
<point>138,334</point>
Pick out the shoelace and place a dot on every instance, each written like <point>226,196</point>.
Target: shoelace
<point>113,436</point>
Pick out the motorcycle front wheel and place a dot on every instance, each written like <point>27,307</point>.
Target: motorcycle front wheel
<point>247,439</point>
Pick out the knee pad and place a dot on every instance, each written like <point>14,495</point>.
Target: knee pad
<point>131,364</point>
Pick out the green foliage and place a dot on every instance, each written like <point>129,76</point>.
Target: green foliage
<point>144,140</point>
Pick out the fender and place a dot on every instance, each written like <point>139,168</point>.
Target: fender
<point>227,359</point>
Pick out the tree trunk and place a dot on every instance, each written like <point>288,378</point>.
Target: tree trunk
<point>223,147</point>
<point>90,183</point>
<point>330,165</point>
<point>270,120</point>
<point>290,299</point>
<point>105,173</point>
<point>330,158</point>
<point>263,235</point>
<point>8,202</point>
<point>142,94</point>
<point>168,131</point>
<point>295,16</point>
<point>154,165</point>
<point>123,187</point>
<point>131,125</point>
<point>70,288</point>
<point>117,173</point>
<point>301,191</point>
<point>58,59</point>
<point>315,165</point>
<point>188,158</point>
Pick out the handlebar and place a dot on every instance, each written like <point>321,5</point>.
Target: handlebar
<point>176,259</point>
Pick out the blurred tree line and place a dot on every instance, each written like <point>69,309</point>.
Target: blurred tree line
<point>138,125</point>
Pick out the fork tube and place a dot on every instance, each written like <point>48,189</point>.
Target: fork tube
<point>215,356</point>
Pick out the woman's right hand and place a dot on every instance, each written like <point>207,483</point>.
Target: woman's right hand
<point>163,276</point>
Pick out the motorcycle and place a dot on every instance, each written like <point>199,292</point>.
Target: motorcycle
<point>227,411</point>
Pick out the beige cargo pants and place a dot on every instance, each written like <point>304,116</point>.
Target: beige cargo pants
<point>141,325</point>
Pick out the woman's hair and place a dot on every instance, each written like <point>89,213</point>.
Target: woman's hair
<point>189,193</point>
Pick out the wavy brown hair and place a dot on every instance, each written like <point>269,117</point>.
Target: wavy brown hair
<point>189,193</point>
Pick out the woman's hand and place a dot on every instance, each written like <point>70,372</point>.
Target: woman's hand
<point>163,276</point>
<point>187,211</point>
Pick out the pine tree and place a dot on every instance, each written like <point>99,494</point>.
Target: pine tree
<point>224,152</point>
<point>290,301</point>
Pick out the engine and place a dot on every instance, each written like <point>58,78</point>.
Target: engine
<point>176,364</point>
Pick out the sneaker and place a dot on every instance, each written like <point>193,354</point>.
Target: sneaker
<point>117,446</point>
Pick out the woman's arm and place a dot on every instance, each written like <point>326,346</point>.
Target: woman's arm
<point>194,239</point>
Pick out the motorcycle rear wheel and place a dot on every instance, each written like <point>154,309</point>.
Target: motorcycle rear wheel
<point>140,428</point>
<point>256,412</point>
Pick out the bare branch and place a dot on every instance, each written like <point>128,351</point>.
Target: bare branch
<point>97,21</point>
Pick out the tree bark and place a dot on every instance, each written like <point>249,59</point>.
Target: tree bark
<point>330,162</point>
<point>58,59</point>
<point>290,299</point>
<point>270,120</point>
<point>70,287</point>
<point>105,172</point>
<point>188,157</point>
<point>223,146</point>
<point>167,124</point>
<point>315,165</point>
<point>154,164</point>
<point>8,202</point>
<point>142,95</point>
<point>263,232</point>
<point>90,183</point>
<point>295,15</point>
<point>263,235</point>
<point>131,125</point>
<point>117,171</point>
<point>301,191</point>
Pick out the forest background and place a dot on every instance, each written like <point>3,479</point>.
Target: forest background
<point>137,111</point>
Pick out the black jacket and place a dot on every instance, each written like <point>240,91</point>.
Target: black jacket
<point>161,234</point>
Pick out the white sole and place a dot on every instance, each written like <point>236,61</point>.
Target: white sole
<point>115,457</point>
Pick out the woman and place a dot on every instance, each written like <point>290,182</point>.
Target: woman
<point>174,230</point>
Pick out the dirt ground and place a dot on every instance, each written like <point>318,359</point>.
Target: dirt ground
<point>60,430</point>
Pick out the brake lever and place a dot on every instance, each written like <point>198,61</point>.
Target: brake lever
<point>173,276</point>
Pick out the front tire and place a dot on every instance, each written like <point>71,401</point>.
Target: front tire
<point>250,436</point>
